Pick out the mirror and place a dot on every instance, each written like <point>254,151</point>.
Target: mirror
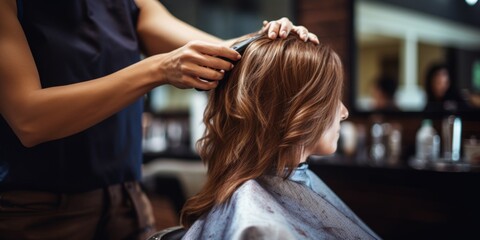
<point>398,42</point>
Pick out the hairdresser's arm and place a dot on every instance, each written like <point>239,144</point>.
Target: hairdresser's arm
<point>162,32</point>
<point>185,53</point>
<point>39,114</point>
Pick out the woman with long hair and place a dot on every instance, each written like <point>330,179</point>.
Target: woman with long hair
<point>442,93</point>
<point>280,104</point>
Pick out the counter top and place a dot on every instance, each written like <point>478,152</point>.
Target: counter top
<point>405,203</point>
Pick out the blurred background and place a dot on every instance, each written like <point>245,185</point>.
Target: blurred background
<point>408,161</point>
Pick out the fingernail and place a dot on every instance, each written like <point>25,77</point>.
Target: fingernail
<point>283,34</point>
<point>239,56</point>
<point>231,66</point>
<point>272,35</point>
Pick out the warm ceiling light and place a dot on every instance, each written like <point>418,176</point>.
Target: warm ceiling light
<point>471,2</point>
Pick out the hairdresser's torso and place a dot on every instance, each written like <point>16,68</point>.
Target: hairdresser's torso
<point>71,42</point>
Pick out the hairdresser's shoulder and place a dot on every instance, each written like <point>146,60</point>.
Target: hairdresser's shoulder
<point>8,8</point>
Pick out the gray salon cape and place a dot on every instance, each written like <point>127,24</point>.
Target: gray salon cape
<point>302,207</point>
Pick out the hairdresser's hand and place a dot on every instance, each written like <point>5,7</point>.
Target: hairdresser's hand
<point>191,65</point>
<point>283,26</point>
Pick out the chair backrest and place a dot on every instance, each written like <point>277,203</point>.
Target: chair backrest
<point>171,233</point>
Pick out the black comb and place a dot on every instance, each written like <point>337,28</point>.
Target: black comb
<point>240,48</point>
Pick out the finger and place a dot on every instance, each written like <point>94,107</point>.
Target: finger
<point>273,30</point>
<point>285,27</point>
<point>312,37</point>
<point>215,50</point>
<point>212,62</point>
<point>202,72</point>
<point>265,26</point>
<point>184,83</point>
<point>199,83</point>
<point>302,32</point>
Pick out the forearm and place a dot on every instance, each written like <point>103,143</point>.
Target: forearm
<point>46,114</point>
<point>162,32</point>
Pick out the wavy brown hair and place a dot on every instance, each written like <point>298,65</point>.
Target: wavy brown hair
<point>277,101</point>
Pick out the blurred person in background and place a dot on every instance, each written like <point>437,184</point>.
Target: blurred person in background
<point>442,95</point>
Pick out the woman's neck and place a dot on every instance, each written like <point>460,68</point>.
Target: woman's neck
<point>303,157</point>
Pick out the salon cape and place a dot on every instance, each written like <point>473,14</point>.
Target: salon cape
<point>301,207</point>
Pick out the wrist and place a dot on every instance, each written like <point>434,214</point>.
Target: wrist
<point>156,70</point>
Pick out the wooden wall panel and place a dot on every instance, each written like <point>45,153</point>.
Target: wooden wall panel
<point>330,21</point>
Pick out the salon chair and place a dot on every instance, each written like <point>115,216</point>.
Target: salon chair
<point>171,233</point>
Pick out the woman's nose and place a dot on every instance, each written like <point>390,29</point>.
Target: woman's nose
<point>343,112</point>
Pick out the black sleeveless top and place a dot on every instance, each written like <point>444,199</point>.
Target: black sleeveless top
<point>74,41</point>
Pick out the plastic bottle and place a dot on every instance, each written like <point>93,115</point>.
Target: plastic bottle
<point>377,149</point>
<point>451,137</point>
<point>427,143</point>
